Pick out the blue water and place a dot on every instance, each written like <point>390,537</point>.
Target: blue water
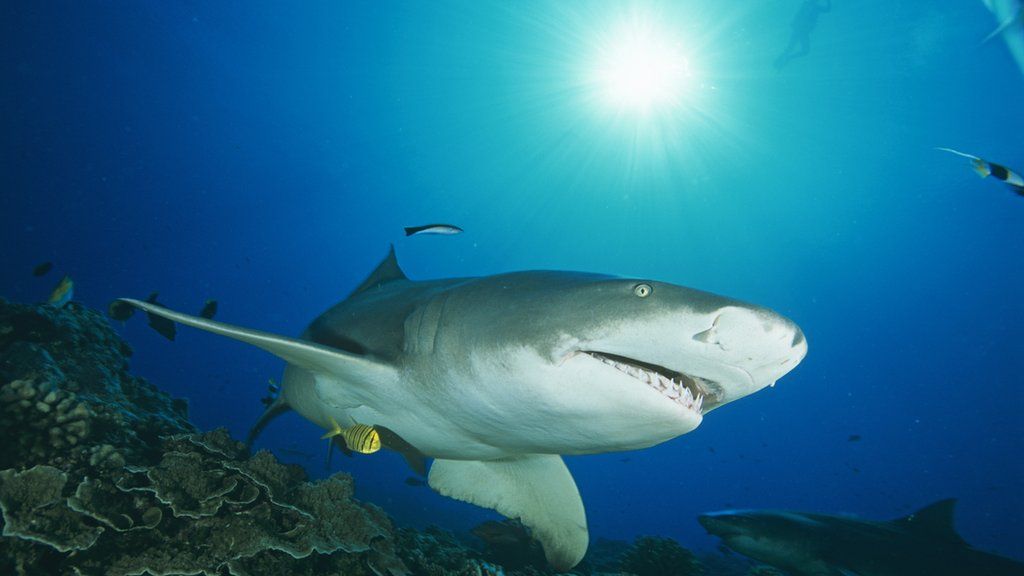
<point>266,156</point>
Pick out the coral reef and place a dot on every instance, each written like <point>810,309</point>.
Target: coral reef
<point>103,474</point>
<point>66,396</point>
<point>435,552</point>
<point>651,556</point>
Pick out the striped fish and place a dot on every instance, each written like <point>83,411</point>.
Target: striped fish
<point>358,437</point>
<point>984,168</point>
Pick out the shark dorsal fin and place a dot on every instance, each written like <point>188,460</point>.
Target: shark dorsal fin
<point>934,520</point>
<point>387,271</point>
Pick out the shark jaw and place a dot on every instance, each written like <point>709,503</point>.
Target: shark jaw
<point>688,392</point>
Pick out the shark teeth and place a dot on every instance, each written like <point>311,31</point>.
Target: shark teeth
<point>685,390</point>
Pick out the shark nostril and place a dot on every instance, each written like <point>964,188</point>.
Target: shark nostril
<point>798,338</point>
<point>709,336</point>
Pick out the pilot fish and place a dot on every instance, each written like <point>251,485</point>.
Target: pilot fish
<point>358,437</point>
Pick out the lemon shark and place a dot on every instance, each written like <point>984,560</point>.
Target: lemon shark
<point>497,377</point>
<point>806,544</point>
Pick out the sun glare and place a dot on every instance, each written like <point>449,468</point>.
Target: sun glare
<point>641,69</point>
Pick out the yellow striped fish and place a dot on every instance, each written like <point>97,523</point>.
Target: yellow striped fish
<point>358,437</point>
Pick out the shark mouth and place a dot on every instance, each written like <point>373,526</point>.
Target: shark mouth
<point>683,389</point>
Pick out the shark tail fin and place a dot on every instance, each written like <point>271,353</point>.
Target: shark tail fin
<point>934,521</point>
<point>535,488</point>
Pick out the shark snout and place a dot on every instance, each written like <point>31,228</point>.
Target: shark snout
<point>760,342</point>
<point>720,524</point>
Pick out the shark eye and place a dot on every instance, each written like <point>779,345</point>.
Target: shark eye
<point>643,290</point>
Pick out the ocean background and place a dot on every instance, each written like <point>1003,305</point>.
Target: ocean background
<point>266,154</point>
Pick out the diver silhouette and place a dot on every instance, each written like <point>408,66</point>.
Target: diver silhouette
<point>800,38</point>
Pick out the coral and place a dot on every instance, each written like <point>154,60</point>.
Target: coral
<point>605,555</point>
<point>66,396</point>
<point>193,513</point>
<point>34,510</point>
<point>119,483</point>
<point>435,552</point>
<point>765,571</point>
<point>651,556</point>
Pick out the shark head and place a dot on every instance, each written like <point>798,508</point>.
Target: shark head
<point>625,363</point>
<point>784,539</point>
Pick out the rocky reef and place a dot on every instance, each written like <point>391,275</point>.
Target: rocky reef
<point>101,473</point>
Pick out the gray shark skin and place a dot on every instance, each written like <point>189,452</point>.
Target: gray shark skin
<point>804,544</point>
<point>496,377</point>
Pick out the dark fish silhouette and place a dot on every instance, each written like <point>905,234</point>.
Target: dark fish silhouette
<point>209,309</point>
<point>120,310</point>
<point>42,269</point>
<point>162,325</point>
<point>853,438</point>
<point>445,229</point>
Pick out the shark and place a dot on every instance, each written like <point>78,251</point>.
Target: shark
<point>497,377</point>
<point>1009,15</point>
<point>806,544</point>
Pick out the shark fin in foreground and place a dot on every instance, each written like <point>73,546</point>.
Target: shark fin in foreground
<point>537,489</point>
<point>312,357</point>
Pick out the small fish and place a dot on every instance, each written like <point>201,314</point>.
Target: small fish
<point>63,293</point>
<point>162,325</point>
<point>853,438</point>
<point>984,168</point>
<point>209,309</point>
<point>120,310</point>
<point>446,229</point>
<point>273,391</point>
<point>414,481</point>
<point>358,437</point>
<point>42,269</point>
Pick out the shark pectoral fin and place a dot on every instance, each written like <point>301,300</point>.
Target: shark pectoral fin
<point>537,489</point>
<point>313,357</point>
<point>276,408</point>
